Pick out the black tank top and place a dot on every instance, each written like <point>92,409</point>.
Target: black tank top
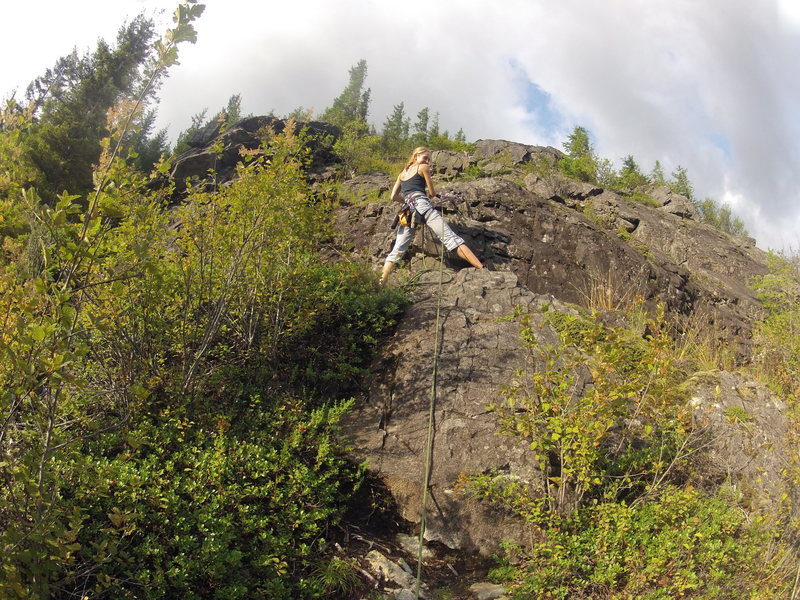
<point>415,183</point>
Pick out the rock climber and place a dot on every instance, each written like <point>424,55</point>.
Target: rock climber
<point>415,188</point>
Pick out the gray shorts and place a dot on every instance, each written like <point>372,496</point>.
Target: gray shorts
<point>433,219</point>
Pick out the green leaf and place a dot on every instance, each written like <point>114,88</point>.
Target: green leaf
<point>38,333</point>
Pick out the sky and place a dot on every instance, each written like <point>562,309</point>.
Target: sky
<point>712,86</point>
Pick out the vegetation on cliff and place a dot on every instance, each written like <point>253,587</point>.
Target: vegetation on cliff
<point>172,376</point>
<point>623,506</point>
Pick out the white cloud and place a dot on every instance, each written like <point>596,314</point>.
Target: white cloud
<point>705,85</point>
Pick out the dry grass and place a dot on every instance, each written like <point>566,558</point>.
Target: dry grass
<point>609,292</point>
<point>699,340</point>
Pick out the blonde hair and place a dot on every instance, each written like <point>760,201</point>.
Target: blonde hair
<point>412,158</point>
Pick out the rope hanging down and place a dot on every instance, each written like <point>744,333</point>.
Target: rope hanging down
<point>429,443</point>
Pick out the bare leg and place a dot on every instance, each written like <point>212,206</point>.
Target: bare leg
<point>464,252</point>
<point>388,267</point>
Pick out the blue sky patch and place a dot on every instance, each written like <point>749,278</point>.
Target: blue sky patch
<point>537,103</point>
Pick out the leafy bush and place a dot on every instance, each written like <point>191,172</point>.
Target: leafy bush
<point>721,217</point>
<point>358,150</point>
<point>777,356</point>
<point>574,411</point>
<point>682,544</point>
<point>613,516</point>
<point>233,509</point>
<point>352,317</point>
<point>152,445</point>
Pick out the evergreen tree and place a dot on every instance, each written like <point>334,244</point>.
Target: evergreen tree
<point>578,144</point>
<point>433,130</point>
<point>581,161</point>
<point>394,137</point>
<point>301,114</point>
<point>657,174</point>
<point>629,166</point>
<point>228,116</point>
<point>421,133</point>
<point>680,183</point>
<point>630,177</point>
<point>70,104</point>
<point>353,103</point>
<point>233,110</point>
<point>148,147</point>
<point>198,122</point>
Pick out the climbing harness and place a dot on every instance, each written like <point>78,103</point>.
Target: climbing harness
<point>403,217</point>
<point>409,216</point>
<point>431,428</point>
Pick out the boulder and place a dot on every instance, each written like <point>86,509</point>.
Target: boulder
<point>367,187</point>
<point>743,428</point>
<point>215,153</point>
<point>487,591</point>
<point>513,153</point>
<point>671,202</point>
<point>388,570</point>
<point>479,353</point>
<point>449,164</point>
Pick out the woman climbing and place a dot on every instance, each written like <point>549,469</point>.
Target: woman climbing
<point>415,188</point>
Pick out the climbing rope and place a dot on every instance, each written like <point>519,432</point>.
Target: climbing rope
<point>429,442</point>
<point>416,278</point>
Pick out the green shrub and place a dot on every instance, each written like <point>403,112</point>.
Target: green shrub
<point>777,336</point>
<point>353,316</point>
<point>643,198</point>
<point>141,468</point>
<point>613,516</point>
<point>233,509</point>
<point>683,544</point>
<point>359,151</point>
<point>585,443</point>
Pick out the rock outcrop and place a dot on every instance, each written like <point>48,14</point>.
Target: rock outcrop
<point>479,354</point>
<point>595,244</point>
<point>548,240</point>
<point>220,151</point>
<point>744,429</point>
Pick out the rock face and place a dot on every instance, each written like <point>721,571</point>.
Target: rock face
<point>213,150</point>
<point>745,428</point>
<point>549,240</point>
<point>478,355</point>
<point>583,244</point>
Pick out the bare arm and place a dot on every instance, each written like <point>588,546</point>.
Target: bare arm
<point>396,196</point>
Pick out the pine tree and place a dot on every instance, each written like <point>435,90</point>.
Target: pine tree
<point>394,137</point>
<point>657,174</point>
<point>70,104</point>
<point>352,105</point>
<point>578,144</point>
<point>433,130</point>
<point>421,132</point>
<point>680,183</point>
<point>581,161</point>
<point>198,122</point>
<point>630,177</point>
<point>233,110</point>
